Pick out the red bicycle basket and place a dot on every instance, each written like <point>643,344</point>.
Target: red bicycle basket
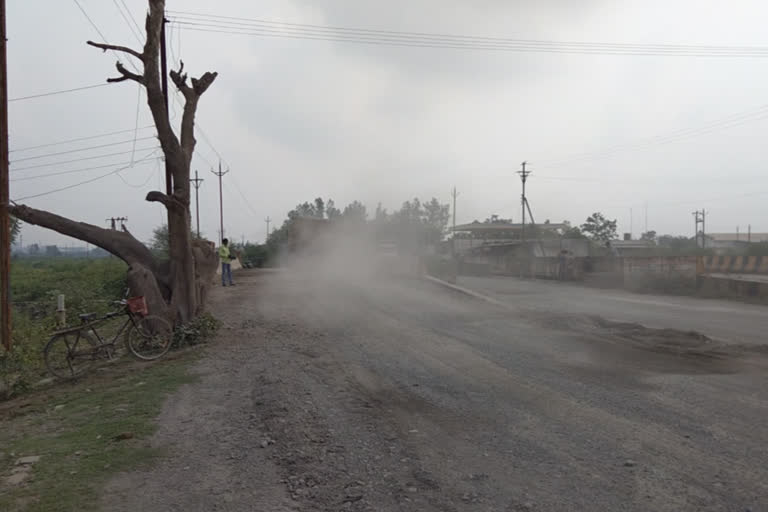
<point>138,306</point>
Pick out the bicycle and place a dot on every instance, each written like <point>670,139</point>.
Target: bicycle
<point>73,351</point>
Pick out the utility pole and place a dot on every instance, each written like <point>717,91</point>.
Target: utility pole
<point>749,233</point>
<point>453,238</point>
<point>164,81</point>
<point>5,221</point>
<point>631,226</point>
<point>221,201</point>
<point>196,183</point>
<point>646,217</point>
<point>524,177</point>
<point>267,220</point>
<point>699,218</point>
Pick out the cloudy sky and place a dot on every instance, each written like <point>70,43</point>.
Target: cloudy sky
<point>296,118</point>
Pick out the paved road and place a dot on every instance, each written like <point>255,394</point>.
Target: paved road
<point>402,396</point>
<point>728,321</point>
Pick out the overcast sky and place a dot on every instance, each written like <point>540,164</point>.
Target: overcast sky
<point>294,119</point>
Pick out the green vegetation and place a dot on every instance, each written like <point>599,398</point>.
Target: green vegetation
<point>89,285</point>
<point>83,434</point>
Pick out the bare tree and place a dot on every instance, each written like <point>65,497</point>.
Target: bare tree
<point>177,287</point>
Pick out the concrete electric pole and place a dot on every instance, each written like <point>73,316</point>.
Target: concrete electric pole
<point>220,175</point>
<point>5,221</point>
<point>524,177</point>
<point>267,220</point>
<point>196,183</point>
<point>700,218</point>
<point>453,237</point>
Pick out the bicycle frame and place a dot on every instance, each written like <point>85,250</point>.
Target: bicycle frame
<point>91,326</point>
<point>129,321</point>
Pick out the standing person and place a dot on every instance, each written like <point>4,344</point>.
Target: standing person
<point>226,267</point>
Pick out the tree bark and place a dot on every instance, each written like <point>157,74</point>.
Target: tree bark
<point>183,284</point>
<point>185,295</point>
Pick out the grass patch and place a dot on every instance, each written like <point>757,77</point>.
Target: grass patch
<point>74,430</point>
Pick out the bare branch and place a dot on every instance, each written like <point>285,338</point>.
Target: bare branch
<point>200,85</point>
<point>179,79</point>
<point>127,75</point>
<point>117,48</point>
<point>169,202</point>
<point>122,245</point>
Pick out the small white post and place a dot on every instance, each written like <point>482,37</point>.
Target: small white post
<point>61,311</point>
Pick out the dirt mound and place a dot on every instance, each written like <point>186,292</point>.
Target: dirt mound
<point>672,341</point>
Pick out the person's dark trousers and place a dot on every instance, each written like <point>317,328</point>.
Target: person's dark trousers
<point>226,274</point>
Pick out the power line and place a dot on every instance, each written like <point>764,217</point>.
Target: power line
<point>76,160</point>
<point>731,121</point>
<point>127,22</point>
<point>79,139</point>
<point>413,39</point>
<point>69,151</point>
<point>135,23</point>
<point>101,34</point>
<point>71,171</point>
<point>242,196</point>
<point>53,93</point>
<point>68,187</point>
<point>234,20</point>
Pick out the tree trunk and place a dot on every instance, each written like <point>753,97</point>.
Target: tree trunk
<point>178,289</point>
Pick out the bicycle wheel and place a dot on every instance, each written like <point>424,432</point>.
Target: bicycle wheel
<point>71,354</point>
<point>149,338</point>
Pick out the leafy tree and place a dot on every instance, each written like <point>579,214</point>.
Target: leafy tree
<point>331,211</point>
<point>159,244</point>
<point>52,251</point>
<point>600,229</point>
<point>34,249</point>
<point>319,208</point>
<point>649,236</point>
<point>355,212</point>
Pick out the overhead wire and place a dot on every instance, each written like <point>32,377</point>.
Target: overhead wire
<point>71,171</point>
<point>270,28</point>
<point>78,139</point>
<point>54,93</point>
<point>91,180</point>
<point>137,35</point>
<point>731,121</point>
<point>69,151</point>
<point>101,34</point>
<point>133,19</point>
<point>96,157</point>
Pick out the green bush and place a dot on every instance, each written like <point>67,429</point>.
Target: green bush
<point>89,286</point>
<point>23,366</point>
<point>196,331</point>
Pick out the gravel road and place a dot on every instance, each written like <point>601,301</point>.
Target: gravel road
<point>400,395</point>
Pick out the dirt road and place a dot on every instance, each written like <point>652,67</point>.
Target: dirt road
<point>403,396</point>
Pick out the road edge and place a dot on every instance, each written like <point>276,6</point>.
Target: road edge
<point>466,291</point>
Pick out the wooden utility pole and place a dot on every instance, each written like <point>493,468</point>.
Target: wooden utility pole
<point>5,221</point>
<point>221,201</point>
<point>196,183</point>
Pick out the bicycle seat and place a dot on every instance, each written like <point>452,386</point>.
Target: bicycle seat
<point>85,317</point>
